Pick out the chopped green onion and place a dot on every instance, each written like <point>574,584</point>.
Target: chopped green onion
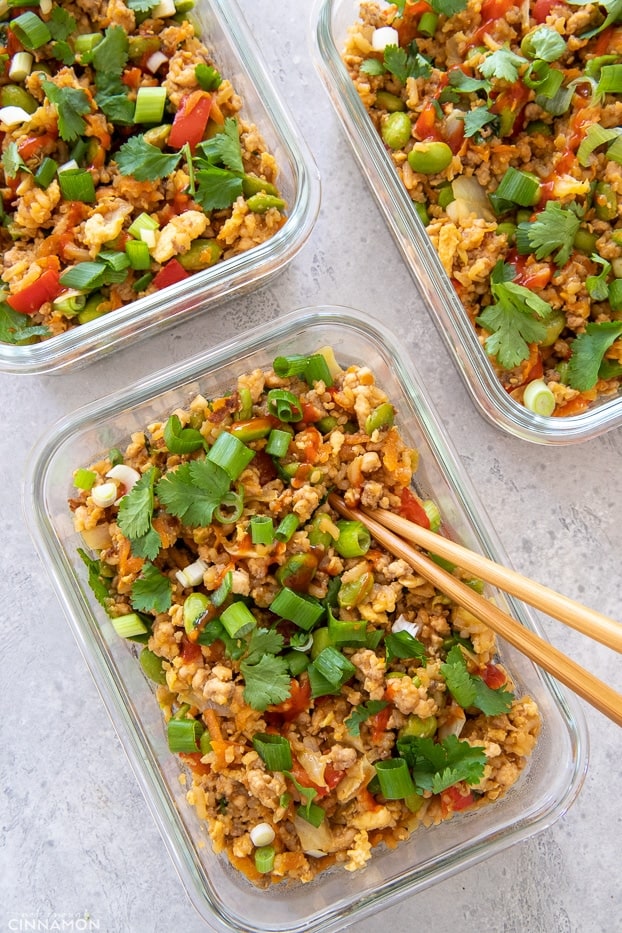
<point>312,814</point>
<point>151,664</point>
<point>278,442</point>
<point>205,743</point>
<point>298,571</point>
<point>21,66</point>
<point>539,398</point>
<point>46,172</point>
<point>519,187</point>
<point>296,608</point>
<point>87,42</point>
<point>354,592</point>
<point>84,479</point>
<point>319,531</point>
<point>262,529</point>
<point>183,735</point>
<point>615,295</point>
<point>143,282</point>
<point>327,424</point>
<point>219,595</point>
<point>284,405</point>
<point>251,429</point>
<point>76,184</point>
<point>246,403</point>
<point>610,80</point>
<point>264,859</point>
<point>297,662</point>
<point>143,224</point>
<point>380,417</point>
<point>238,620</point>
<point>317,370</point>
<point>30,30</point>
<point>596,136</point>
<point>129,625</point>
<point>333,666</point>
<point>230,507</point>
<point>230,454</point>
<point>395,780</point>
<point>84,276</point>
<point>150,103</point>
<point>177,439</point>
<point>543,79</point>
<point>274,750</point>
<point>286,527</point>
<point>195,607</point>
<point>354,539</point>
<point>321,640</point>
<point>428,24</point>
<point>614,152</point>
<point>293,365</point>
<point>432,511</point>
<point>115,456</point>
<point>347,633</point>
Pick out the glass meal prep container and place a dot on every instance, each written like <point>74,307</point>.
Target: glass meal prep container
<point>331,21</point>
<point>224,32</point>
<point>222,895</point>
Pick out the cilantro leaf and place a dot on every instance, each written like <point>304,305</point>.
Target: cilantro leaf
<point>545,44</point>
<point>267,681</point>
<point>516,319</point>
<point>216,188</point>
<point>596,285</point>
<point>141,6</point>
<point>147,545</point>
<point>15,328</point>
<point>193,491</point>
<point>436,766</point>
<point>112,98</point>
<point>224,148</point>
<point>588,351</point>
<point>553,229</point>
<point>465,83</point>
<point>469,689</point>
<point>151,591</point>
<point>475,120</point>
<point>404,645</point>
<point>136,507</point>
<point>406,63</point>
<point>71,103</point>
<point>372,66</point>
<point>307,793</point>
<point>362,713</point>
<point>145,162</point>
<point>502,64</point>
<point>12,162</point>
<point>614,14</point>
<point>263,641</point>
<point>61,24</point>
<point>98,583</point>
<point>111,54</point>
<point>63,52</point>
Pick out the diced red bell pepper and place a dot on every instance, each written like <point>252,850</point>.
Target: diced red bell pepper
<point>29,299</point>
<point>169,274</point>
<point>453,800</point>
<point>493,676</point>
<point>190,120</point>
<point>412,510</point>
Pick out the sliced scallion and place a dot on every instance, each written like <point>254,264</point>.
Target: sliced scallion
<point>46,172</point>
<point>262,529</point>
<point>230,507</point>
<point>238,620</point>
<point>347,632</point>
<point>151,664</point>
<point>207,76</point>
<point>286,527</point>
<point>539,398</point>
<point>150,103</point>
<point>274,750</point>
<point>610,80</point>
<point>278,442</point>
<point>230,454</point>
<point>395,780</point>
<point>521,188</point>
<point>264,859</point>
<point>84,276</point>
<point>312,814</point>
<point>87,42</point>
<point>596,136</point>
<point>195,607</point>
<point>333,666</point>
<point>317,370</point>
<point>284,405</point>
<point>114,258</point>
<point>84,479</point>
<point>614,152</point>
<point>21,66</point>
<point>432,511</point>
<point>129,625</point>
<point>183,735</point>
<point>142,223</point>
<point>76,184</point>
<point>30,30</point>
<point>296,608</point>
<point>294,365</point>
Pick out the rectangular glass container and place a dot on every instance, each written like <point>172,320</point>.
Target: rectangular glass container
<point>227,36</point>
<point>223,897</point>
<point>331,21</point>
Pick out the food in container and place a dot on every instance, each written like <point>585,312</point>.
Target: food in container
<point>325,698</point>
<point>223,895</point>
<point>500,124</point>
<point>139,167</point>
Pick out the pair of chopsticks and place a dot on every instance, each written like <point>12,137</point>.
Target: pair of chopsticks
<point>394,532</point>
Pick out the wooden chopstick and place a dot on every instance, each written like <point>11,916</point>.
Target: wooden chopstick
<point>576,678</point>
<point>588,621</point>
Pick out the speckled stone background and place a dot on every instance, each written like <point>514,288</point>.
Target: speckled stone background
<point>76,839</point>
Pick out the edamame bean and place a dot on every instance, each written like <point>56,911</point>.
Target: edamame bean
<point>428,158</point>
<point>396,130</point>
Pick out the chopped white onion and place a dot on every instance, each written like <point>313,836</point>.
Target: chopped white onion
<point>383,37</point>
<point>453,723</point>
<point>470,198</point>
<point>97,538</point>
<point>402,624</point>
<point>315,841</point>
<point>154,61</point>
<point>262,835</point>
<point>104,495</point>
<point>124,474</point>
<point>12,115</point>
